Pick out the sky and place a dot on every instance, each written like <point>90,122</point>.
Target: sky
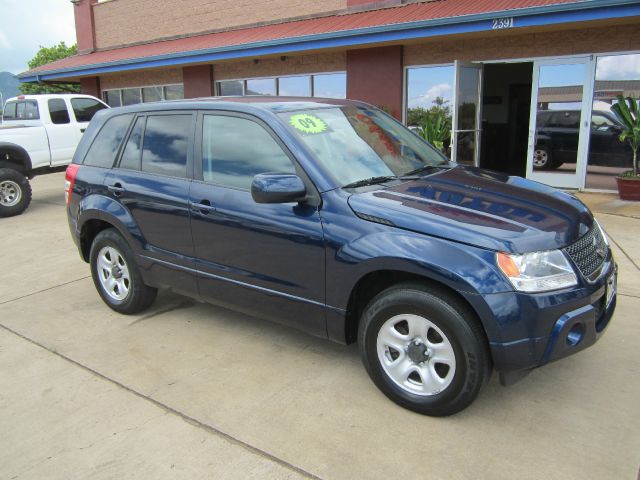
<point>27,24</point>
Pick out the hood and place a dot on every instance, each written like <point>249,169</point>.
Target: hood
<point>480,208</point>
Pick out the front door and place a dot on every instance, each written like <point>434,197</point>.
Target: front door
<point>262,259</point>
<point>559,122</point>
<point>467,113</point>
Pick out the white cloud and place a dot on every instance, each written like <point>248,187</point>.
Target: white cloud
<point>619,67</point>
<point>28,24</point>
<point>427,98</point>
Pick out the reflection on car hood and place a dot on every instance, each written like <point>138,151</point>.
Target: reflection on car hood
<point>480,208</point>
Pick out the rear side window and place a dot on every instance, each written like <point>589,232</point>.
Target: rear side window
<point>103,150</point>
<point>165,144</point>
<point>58,111</point>
<point>21,110</point>
<point>235,149</point>
<point>85,108</point>
<point>133,149</point>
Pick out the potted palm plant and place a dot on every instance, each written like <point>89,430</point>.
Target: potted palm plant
<point>628,113</point>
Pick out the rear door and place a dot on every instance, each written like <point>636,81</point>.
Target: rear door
<point>152,183</point>
<point>63,138</point>
<point>263,259</point>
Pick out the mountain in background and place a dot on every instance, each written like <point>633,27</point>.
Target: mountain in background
<point>9,85</point>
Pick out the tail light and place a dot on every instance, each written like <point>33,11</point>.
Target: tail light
<point>69,180</point>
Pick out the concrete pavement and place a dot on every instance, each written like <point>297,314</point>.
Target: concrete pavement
<point>187,390</point>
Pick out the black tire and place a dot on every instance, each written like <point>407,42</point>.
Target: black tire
<point>138,296</point>
<point>15,192</point>
<point>461,330</point>
<point>543,160</point>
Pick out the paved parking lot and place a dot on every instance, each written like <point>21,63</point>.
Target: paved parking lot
<point>188,390</point>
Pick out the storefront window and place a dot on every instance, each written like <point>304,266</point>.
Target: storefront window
<point>151,94</point>
<point>295,86</point>
<point>331,85</point>
<point>174,92</point>
<point>429,98</point>
<point>608,157</point>
<point>131,96</point>
<point>261,86</point>
<point>112,97</point>
<point>230,88</point>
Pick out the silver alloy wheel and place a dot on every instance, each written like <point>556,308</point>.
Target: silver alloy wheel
<point>113,273</point>
<point>416,354</point>
<point>540,158</point>
<point>10,193</point>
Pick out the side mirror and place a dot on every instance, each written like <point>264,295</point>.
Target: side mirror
<point>277,188</point>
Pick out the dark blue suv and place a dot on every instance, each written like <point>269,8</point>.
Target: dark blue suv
<point>332,217</point>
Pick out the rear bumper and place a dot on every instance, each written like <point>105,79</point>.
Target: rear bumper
<point>564,324</point>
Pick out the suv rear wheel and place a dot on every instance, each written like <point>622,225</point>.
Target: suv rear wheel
<point>15,192</point>
<point>424,349</point>
<point>116,275</point>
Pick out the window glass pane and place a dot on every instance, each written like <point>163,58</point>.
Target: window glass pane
<point>263,86</point>
<point>112,97</point>
<point>558,116</point>
<point>230,88</point>
<point>608,156</point>
<point>331,85</point>
<point>166,140</point>
<point>429,98</point>
<point>294,86</point>
<point>152,94</point>
<point>58,111</point>
<point>85,108</point>
<point>230,160</point>
<point>174,92</point>
<point>132,151</point>
<point>9,111</point>
<point>131,96</point>
<point>103,150</point>
<point>27,110</point>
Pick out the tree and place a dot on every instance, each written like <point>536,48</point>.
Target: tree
<point>47,55</point>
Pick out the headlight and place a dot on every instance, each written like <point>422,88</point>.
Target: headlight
<point>537,271</point>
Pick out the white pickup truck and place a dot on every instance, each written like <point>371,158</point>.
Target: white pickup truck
<point>38,134</point>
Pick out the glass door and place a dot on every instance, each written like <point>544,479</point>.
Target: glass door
<point>467,113</point>
<point>559,123</point>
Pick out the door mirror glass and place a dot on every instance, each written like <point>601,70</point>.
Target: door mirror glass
<point>277,188</point>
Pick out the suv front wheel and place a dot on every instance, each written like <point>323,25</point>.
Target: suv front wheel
<point>116,275</point>
<point>424,349</point>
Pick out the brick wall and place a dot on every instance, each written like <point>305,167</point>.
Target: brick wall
<point>141,79</point>
<point>292,65</point>
<point>120,22</point>
<point>502,45</point>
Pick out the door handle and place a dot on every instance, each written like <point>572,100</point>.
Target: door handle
<point>116,189</point>
<point>203,207</point>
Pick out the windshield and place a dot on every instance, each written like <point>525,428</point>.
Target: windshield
<point>357,143</point>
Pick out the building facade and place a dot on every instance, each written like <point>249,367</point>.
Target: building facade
<point>526,85</point>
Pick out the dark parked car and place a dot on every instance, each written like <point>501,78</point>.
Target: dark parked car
<point>557,137</point>
<point>332,217</point>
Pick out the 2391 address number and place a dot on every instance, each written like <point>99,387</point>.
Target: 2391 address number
<point>502,23</point>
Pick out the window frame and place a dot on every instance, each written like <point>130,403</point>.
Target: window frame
<point>277,78</point>
<point>313,195</point>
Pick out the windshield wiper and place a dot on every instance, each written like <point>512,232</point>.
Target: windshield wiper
<point>422,169</point>
<point>369,181</point>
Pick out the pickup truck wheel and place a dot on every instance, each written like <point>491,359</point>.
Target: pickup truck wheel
<point>424,349</point>
<point>116,275</point>
<point>15,192</point>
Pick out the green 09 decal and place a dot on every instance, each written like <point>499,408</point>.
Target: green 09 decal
<point>305,123</point>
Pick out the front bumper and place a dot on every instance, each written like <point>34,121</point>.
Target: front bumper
<point>550,326</point>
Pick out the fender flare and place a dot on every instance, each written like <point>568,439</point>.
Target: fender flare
<point>20,153</point>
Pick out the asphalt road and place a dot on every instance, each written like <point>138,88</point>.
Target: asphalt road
<point>188,390</point>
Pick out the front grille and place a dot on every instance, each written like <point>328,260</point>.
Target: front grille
<point>589,253</point>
